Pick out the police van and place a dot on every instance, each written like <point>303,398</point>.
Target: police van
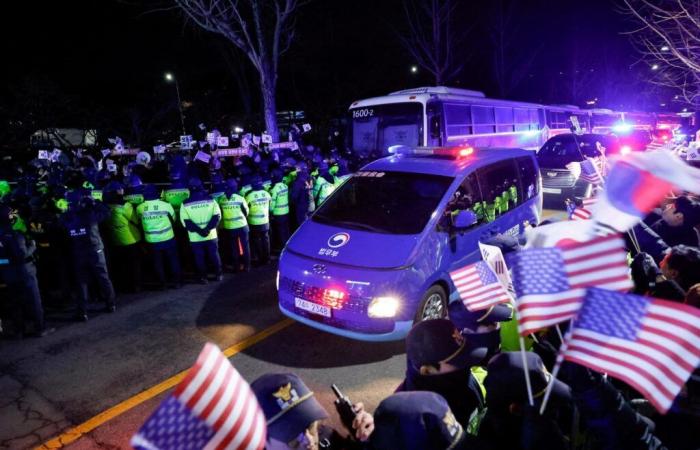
<point>377,254</point>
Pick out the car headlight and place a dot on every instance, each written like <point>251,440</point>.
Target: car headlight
<point>383,307</point>
<point>277,281</point>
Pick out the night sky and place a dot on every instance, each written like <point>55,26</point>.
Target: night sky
<point>103,57</point>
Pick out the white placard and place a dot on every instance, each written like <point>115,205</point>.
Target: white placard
<point>111,167</point>
<point>306,127</point>
<point>157,149</point>
<point>256,140</point>
<point>105,152</point>
<point>266,139</point>
<point>222,141</point>
<point>693,152</point>
<point>55,154</point>
<point>294,146</point>
<point>576,124</point>
<point>204,157</point>
<point>43,154</point>
<point>245,142</point>
<point>186,141</point>
<point>211,138</point>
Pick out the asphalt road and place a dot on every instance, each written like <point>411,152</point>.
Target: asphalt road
<point>78,375</point>
<point>49,385</point>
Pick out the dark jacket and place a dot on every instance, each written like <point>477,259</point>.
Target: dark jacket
<point>82,225</point>
<point>610,421</point>
<point>676,235</point>
<point>16,263</point>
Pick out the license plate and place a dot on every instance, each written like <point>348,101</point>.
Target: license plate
<point>551,190</point>
<point>313,308</point>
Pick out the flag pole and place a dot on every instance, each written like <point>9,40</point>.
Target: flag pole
<point>521,340</point>
<point>555,371</point>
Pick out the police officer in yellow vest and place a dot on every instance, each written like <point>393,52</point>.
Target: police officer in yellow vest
<point>234,225</point>
<point>259,220</point>
<point>157,218</point>
<point>125,240</point>
<point>279,208</point>
<point>200,215</point>
<point>323,185</point>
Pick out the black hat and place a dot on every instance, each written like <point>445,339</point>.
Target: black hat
<point>505,382</point>
<point>288,404</point>
<point>468,321</point>
<point>415,421</point>
<point>432,342</point>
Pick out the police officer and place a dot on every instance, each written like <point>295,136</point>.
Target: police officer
<point>259,220</point>
<point>177,192</point>
<point>234,225</point>
<point>323,186</point>
<point>125,239</point>
<point>218,187</point>
<point>157,218</point>
<point>279,207</point>
<point>200,215</point>
<point>134,190</point>
<point>295,417</point>
<point>301,195</point>
<point>81,221</point>
<point>18,272</point>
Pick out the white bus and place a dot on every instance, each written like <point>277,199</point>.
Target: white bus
<point>443,116</point>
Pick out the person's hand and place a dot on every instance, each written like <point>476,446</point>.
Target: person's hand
<point>363,423</point>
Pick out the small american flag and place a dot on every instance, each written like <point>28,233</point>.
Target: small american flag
<point>590,171</point>
<point>551,282</point>
<point>583,212</point>
<point>478,286</point>
<point>212,408</point>
<point>653,345</point>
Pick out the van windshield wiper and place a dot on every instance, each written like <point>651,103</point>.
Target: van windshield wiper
<point>357,225</point>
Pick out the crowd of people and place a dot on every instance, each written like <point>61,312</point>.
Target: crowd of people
<point>463,388</point>
<point>82,226</point>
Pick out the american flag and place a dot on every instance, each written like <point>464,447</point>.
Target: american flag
<point>583,212</point>
<point>653,345</point>
<point>478,286</point>
<point>212,408</point>
<point>551,282</point>
<point>590,171</point>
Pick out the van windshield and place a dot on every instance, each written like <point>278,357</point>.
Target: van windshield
<point>384,202</point>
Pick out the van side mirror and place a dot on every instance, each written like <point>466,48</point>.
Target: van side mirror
<point>435,127</point>
<point>464,219</point>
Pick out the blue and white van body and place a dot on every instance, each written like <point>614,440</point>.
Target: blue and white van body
<point>362,265</point>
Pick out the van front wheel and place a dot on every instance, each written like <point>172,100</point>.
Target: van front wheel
<point>433,305</point>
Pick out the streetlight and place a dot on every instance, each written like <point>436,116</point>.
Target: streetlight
<point>169,77</point>
<point>414,69</point>
<point>664,48</point>
<point>654,67</point>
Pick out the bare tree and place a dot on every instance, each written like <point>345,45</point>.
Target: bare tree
<point>431,39</point>
<point>511,64</point>
<point>668,38</point>
<point>262,29</point>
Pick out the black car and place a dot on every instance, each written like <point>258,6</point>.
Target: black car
<point>560,183</point>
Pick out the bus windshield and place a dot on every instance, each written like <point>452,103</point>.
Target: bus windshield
<point>376,128</point>
<point>384,202</point>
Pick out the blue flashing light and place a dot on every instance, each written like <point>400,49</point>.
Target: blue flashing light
<point>622,127</point>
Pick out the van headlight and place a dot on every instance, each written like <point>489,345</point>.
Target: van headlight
<point>277,281</point>
<point>383,307</point>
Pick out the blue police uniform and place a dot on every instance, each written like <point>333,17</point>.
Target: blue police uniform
<point>18,272</point>
<point>81,222</point>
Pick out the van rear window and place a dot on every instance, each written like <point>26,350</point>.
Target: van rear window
<point>395,203</point>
